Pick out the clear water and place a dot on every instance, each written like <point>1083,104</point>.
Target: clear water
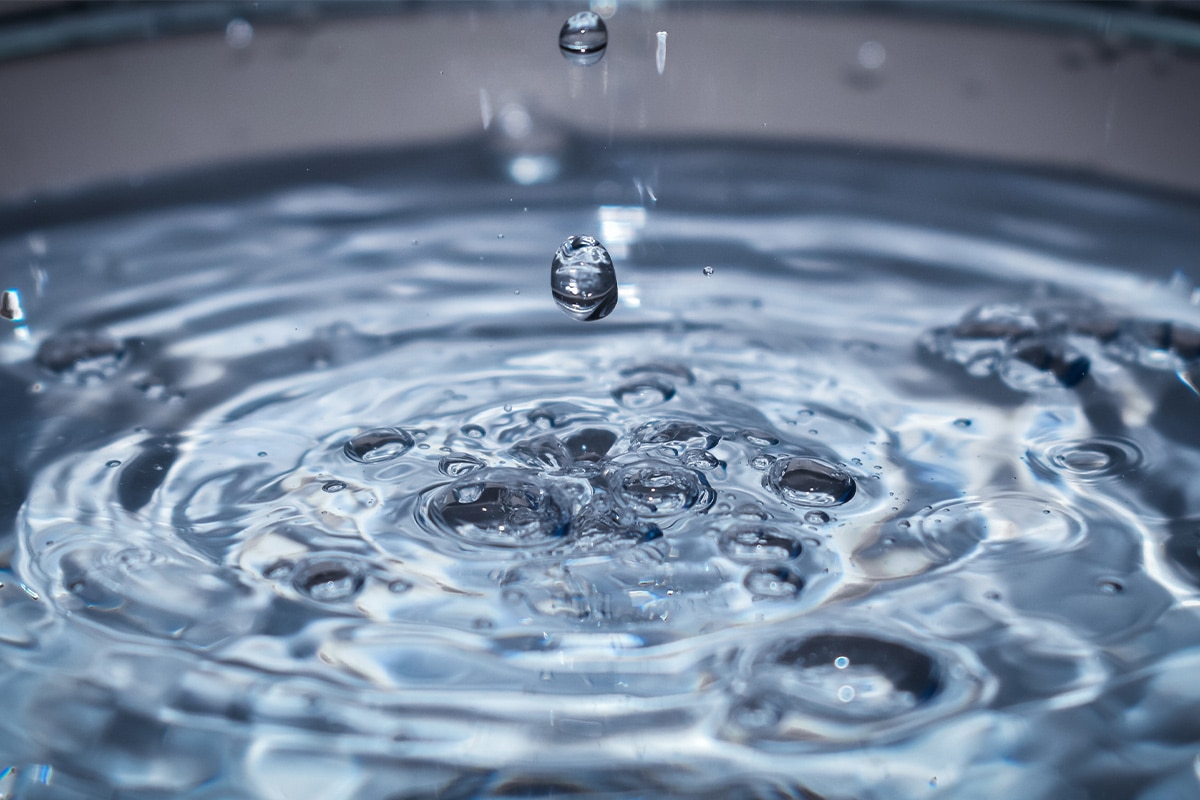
<point>878,482</point>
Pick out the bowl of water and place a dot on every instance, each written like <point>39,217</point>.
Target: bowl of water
<point>623,401</point>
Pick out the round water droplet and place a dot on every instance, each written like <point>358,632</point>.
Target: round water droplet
<point>809,482</point>
<point>757,543</point>
<point>773,583</point>
<point>239,34</point>
<point>328,580</point>
<point>583,38</point>
<point>501,508</point>
<point>708,271</point>
<point>378,444</point>
<point>582,279</point>
<point>643,393</point>
<point>656,489</point>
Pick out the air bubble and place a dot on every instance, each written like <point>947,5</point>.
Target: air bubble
<point>643,393</point>
<point>583,38</point>
<point>773,583</point>
<point>699,459</point>
<point>328,580</point>
<point>458,464</point>
<point>378,444</point>
<point>582,279</point>
<point>754,543</point>
<point>809,482</point>
<point>816,517</point>
<point>656,489</point>
<point>333,486</point>
<point>501,508</point>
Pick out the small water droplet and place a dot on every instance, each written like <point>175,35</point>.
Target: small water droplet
<point>816,517</point>
<point>760,462</point>
<point>333,486</point>
<point>708,271</point>
<point>378,444</point>
<point>113,463</point>
<point>583,38</point>
<point>759,438</point>
<point>871,55</point>
<point>773,583</point>
<point>582,279</point>
<point>239,34</point>
<point>810,482</point>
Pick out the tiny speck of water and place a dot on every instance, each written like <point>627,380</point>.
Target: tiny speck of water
<point>583,38</point>
<point>583,280</point>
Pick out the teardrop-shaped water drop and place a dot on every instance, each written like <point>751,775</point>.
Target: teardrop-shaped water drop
<point>582,279</point>
<point>583,38</point>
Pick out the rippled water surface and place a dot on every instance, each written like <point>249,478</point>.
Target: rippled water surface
<point>878,482</point>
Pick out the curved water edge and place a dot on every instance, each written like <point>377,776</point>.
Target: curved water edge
<point>893,496</point>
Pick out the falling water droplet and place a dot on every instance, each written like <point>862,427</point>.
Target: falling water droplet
<point>583,38</point>
<point>239,34</point>
<point>582,279</point>
<point>10,305</point>
<point>708,271</point>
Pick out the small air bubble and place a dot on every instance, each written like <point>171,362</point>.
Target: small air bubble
<point>113,463</point>
<point>472,430</point>
<point>333,486</point>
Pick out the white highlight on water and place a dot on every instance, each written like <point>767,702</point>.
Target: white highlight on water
<point>660,55</point>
